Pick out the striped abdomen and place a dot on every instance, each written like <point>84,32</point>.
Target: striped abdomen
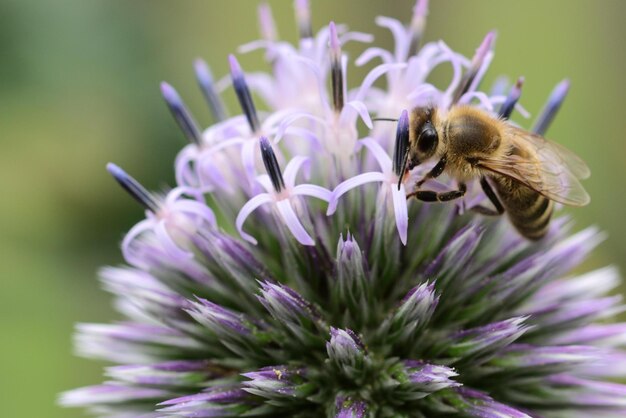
<point>528,210</point>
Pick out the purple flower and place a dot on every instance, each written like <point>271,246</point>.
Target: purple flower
<point>244,297</point>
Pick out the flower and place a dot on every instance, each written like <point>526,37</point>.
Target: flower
<point>243,297</point>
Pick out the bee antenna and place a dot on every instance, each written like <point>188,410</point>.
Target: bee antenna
<point>385,119</point>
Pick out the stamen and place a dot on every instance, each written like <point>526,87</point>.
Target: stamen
<point>336,72</point>
<point>551,108</point>
<point>418,25</point>
<point>212,97</point>
<point>303,18</point>
<point>271,165</point>
<point>183,117</point>
<point>243,94</point>
<point>511,99</point>
<point>134,188</point>
<point>477,62</point>
<point>400,152</point>
<point>266,23</point>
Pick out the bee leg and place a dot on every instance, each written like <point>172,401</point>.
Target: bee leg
<point>435,172</point>
<point>432,196</point>
<point>492,197</point>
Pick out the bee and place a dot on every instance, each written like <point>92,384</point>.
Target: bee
<point>520,172</point>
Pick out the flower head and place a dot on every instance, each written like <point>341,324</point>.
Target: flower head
<point>276,280</point>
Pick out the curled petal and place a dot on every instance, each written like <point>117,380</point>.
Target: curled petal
<point>313,191</point>
<point>246,210</point>
<point>291,171</point>
<point>248,158</point>
<point>401,211</point>
<point>168,243</point>
<point>373,75</point>
<point>400,36</point>
<point>374,52</point>
<point>197,208</point>
<point>361,109</point>
<point>131,236</point>
<point>379,154</point>
<point>292,222</point>
<point>350,184</point>
<point>363,37</point>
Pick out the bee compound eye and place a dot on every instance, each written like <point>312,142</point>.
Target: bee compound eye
<point>427,141</point>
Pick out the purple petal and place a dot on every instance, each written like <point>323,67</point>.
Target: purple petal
<point>250,206</point>
<point>378,153</point>
<point>291,220</point>
<point>293,167</point>
<point>350,184</point>
<point>313,191</point>
<point>401,211</point>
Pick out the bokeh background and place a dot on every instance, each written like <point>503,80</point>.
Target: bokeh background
<point>79,87</point>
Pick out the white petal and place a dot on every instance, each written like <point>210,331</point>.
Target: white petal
<point>197,208</point>
<point>131,236</point>
<point>313,191</point>
<point>290,218</point>
<point>373,75</point>
<point>374,52</point>
<point>170,247</point>
<point>361,109</point>
<point>350,184</point>
<point>248,154</point>
<point>379,154</point>
<point>250,206</point>
<point>401,211</point>
<point>291,171</point>
<point>400,36</point>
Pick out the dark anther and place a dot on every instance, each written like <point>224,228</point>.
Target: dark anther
<point>132,186</point>
<point>271,165</point>
<point>303,18</point>
<point>511,99</point>
<point>243,94</point>
<point>212,97</point>
<point>336,72</point>
<point>183,117</point>
<point>551,108</point>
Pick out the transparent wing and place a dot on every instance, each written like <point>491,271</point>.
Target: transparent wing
<point>544,166</point>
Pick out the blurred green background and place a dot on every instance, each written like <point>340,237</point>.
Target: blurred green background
<point>79,87</point>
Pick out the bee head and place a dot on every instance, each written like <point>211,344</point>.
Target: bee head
<point>423,137</point>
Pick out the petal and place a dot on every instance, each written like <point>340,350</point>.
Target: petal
<point>350,184</point>
<point>400,36</point>
<point>313,191</point>
<point>480,96</point>
<point>184,165</point>
<point>290,218</point>
<point>248,158</point>
<point>291,171</point>
<point>363,37</point>
<point>374,52</point>
<point>361,109</point>
<point>401,211</point>
<point>373,75</point>
<point>168,243</point>
<point>130,236</point>
<point>197,208</point>
<point>320,79</point>
<point>250,206</point>
<point>378,153</point>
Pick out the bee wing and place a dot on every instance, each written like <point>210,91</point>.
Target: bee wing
<point>544,166</point>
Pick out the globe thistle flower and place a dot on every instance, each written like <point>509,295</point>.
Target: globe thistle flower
<point>286,274</point>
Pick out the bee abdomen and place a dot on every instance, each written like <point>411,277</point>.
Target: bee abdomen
<point>529,211</point>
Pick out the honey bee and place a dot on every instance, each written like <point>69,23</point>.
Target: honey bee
<point>528,173</point>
